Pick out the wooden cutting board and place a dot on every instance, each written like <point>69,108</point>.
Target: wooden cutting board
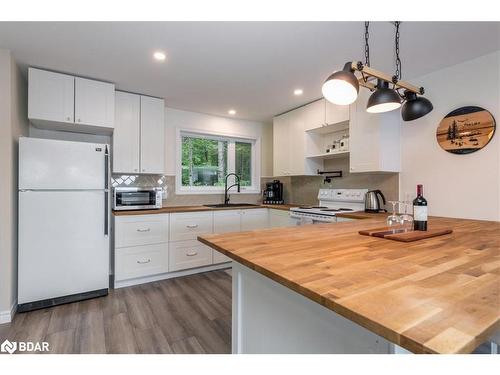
<point>400,235</point>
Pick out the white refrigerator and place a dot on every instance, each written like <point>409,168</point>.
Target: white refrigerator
<point>63,222</point>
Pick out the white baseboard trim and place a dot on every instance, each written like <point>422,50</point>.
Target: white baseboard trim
<point>169,275</point>
<point>7,316</point>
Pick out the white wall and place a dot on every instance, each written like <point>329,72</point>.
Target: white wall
<point>465,186</point>
<point>175,118</point>
<point>13,121</point>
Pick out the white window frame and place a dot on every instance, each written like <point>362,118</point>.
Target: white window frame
<point>231,159</point>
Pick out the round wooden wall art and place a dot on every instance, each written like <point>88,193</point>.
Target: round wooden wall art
<point>465,130</point>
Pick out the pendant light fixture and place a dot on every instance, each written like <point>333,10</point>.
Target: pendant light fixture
<point>415,106</point>
<point>383,99</point>
<point>342,87</point>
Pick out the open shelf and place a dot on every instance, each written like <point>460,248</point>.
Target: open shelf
<point>330,155</point>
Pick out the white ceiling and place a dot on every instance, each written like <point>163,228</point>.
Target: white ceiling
<point>252,67</point>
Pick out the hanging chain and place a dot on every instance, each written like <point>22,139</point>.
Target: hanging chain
<point>367,46</point>
<point>398,74</point>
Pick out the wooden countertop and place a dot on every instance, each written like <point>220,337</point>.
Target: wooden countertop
<point>439,295</point>
<point>174,209</point>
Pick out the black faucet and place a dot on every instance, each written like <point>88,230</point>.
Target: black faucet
<point>226,196</point>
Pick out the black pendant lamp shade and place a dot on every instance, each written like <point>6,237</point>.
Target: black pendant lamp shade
<point>415,106</point>
<point>341,87</point>
<point>383,99</point>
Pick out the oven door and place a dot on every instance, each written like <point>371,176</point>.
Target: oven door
<point>136,199</point>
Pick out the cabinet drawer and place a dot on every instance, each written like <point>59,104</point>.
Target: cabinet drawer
<point>220,258</point>
<point>140,230</point>
<point>188,254</point>
<point>141,261</point>
<point>188,226</point>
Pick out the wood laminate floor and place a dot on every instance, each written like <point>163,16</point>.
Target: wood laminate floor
<point>190,314</point>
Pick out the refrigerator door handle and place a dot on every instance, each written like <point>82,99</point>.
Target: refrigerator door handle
<point>106,191</point>
<point>106,213</point>
<point>106,168</point>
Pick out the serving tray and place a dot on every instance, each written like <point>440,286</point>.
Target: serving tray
<point>402,236</point>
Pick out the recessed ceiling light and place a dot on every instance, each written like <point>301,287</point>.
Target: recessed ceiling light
<point>298,92</point>
<point>160,56</point>
<point>231,112</point>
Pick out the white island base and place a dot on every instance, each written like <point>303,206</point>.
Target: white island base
<point>270,318</point>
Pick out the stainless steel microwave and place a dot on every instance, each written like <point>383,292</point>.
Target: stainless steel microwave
<point>137,198</point>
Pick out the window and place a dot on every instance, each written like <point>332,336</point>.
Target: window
<point>206,159</point>
<point>243,164</point>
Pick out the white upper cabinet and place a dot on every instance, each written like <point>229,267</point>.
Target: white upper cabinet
<point>50,96</point>
<point>152,135</point>
<point>374,138</point>
<point>289,145</point>
<point>64,102</point>
<point>281,145</point>
<point>322,113</point>
<point>94,103</point>
<point>314,115</point>
<point>138,139</point>
<point>335,114</point>
<point>127,133</point>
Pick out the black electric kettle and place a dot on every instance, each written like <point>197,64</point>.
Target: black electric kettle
<point>372,204</point>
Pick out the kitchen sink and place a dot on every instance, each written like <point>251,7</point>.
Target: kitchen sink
<point>225,205</point>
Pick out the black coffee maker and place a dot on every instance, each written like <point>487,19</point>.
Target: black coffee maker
<point>273,193</point>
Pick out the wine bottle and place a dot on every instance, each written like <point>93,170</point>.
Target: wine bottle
<point>420,210</point>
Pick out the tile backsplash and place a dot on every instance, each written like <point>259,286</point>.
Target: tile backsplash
<point>140,180</point>
<point>304,189</point>
<point>296,189</point>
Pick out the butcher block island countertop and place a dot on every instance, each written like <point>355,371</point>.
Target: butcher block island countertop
<point>438,295</point>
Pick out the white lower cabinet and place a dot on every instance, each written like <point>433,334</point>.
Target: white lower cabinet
<point>280,218</point>
<point>138,261</point>
<point>256,218</point>
<point>188,254</point>
<point>189,225</point>
<point>225,222</point>
<point>158,246</point>
<point>137,230</point>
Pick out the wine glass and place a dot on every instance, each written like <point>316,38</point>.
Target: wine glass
<point>393,219</point>
<point>406,218</point>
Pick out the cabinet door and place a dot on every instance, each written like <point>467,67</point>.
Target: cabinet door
<point>335,114</point>
<point>126,134</point>
<point>94,103</point>
<point>314,115</point>
<point>374,138</point>
<point>363,137</point>
<point>257,218</point>
<point>227,221</point>
<point>280,218</point>
<point>296,144</point>
<point>50,96</point>
<point>281,145</point>
<point>152,135</point>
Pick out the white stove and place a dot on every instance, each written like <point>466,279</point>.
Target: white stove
<point>331,202</point>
